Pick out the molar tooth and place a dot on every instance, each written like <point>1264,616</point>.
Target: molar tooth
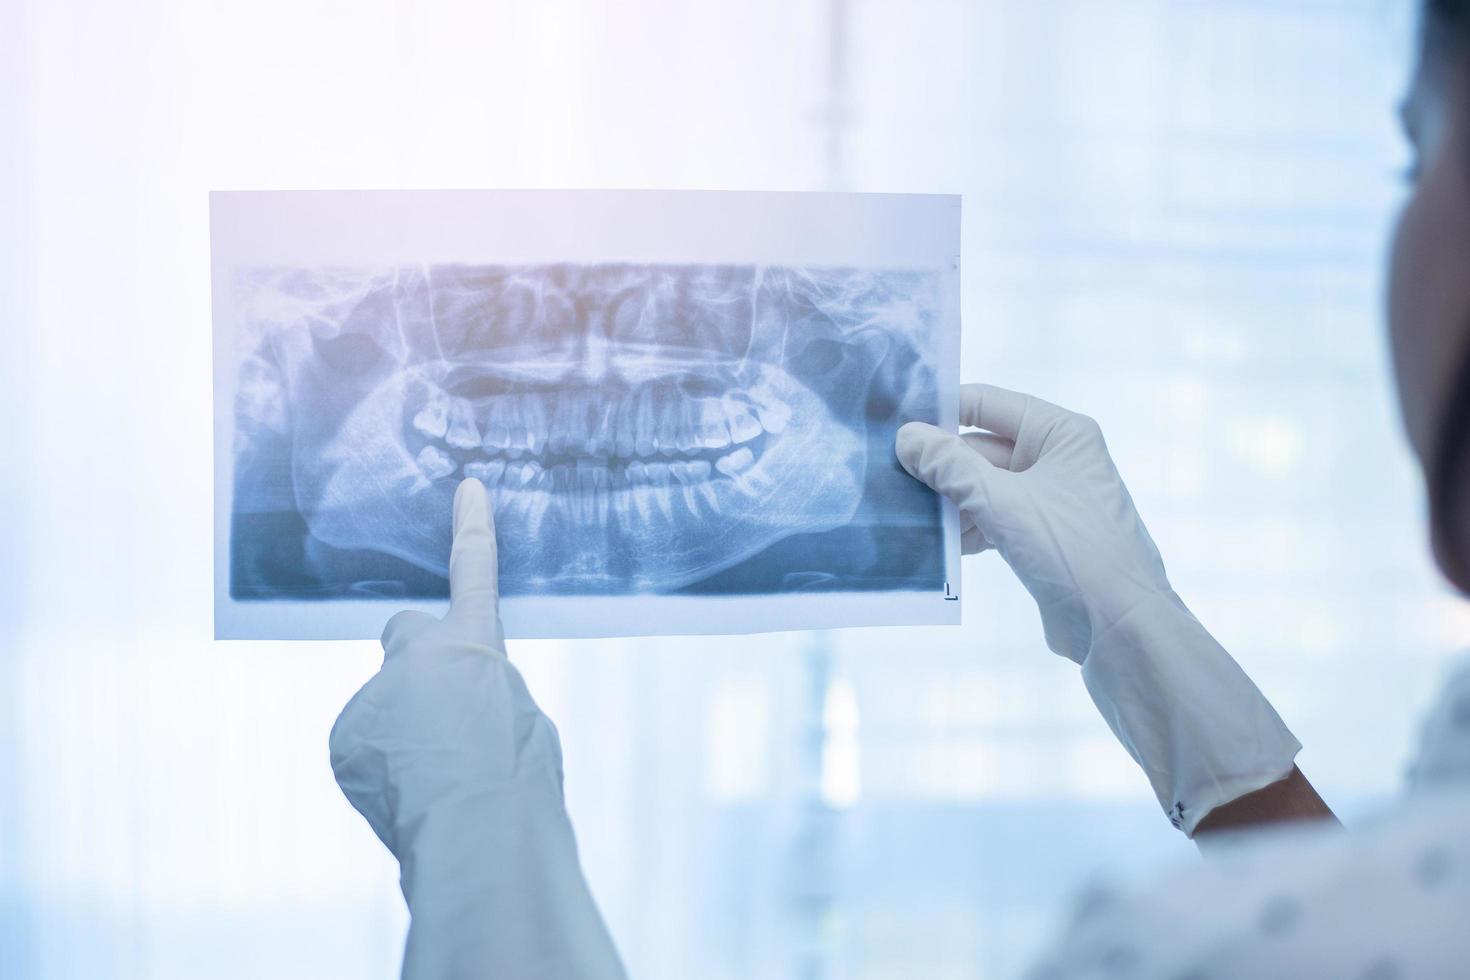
<point>774,413</point>
<point>743,424</point>
<point>463,434</point>
<point>691,470</point>
<point>686,432</point>
<point>712,431</point>
<point>657,473</point>
<point>643,500</point>
<point>664,498</point>
<point>488,472</point>
<point>772,410</point>
<point>637,472</point>
<point>737,462</point>
<point>433,418</point>
<point>435,463</point>
<point>690,474</point>
<point>706,489</point>
<point>498,413</point>
<point>775,419</point>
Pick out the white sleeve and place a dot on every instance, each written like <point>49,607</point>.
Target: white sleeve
<point>1386,902</point>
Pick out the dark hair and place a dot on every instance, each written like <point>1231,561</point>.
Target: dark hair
<point>1447,34</point>
<point>1447,25</point>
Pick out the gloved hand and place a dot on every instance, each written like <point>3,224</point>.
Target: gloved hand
<point>460,775</point>
<point>1039,486</point>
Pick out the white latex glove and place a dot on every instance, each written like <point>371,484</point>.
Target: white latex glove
<point>460,775</point>
<point>1040,487</point>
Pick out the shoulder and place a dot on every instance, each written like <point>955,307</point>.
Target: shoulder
<point>1384,901</point>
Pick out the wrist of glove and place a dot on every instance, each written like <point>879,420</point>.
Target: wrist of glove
<point>1039,486</point>
<point>1202,732</point>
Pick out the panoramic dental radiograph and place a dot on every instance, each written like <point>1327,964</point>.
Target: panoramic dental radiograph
<point>686,429</point>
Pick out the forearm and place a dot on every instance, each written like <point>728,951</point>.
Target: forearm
<point>515,904</point>
<point>1289,800</point>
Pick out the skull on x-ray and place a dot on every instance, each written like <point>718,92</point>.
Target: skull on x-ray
<point>639,428</point>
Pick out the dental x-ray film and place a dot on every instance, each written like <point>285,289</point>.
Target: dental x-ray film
<point>682,404</point>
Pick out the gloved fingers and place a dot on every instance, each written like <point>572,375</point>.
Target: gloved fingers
<point>943,461</point>
<point>998,449</point>
<point>403,629</point>
<point>1003,411</point>
<point>474,583</point>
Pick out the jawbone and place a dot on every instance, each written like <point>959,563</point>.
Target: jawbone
<point>605,532</point>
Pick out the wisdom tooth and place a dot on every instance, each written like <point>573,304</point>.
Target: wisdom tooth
<point>736,462</point>
<point>774,413</point>
<point>433,418</point>
<point>743,425</point>
<point>690,471</point>
<point>488,473</point>
<point>774,418</point>
<point>435,463</point>
<point>463,434</point>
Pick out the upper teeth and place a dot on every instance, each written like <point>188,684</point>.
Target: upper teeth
<point>651,422</point>
<point>463,434</point>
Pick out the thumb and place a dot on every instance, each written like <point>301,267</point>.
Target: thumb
<point>947,464</point>
<point>474,578</point>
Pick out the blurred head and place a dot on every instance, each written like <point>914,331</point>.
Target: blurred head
<point>1429,301</point>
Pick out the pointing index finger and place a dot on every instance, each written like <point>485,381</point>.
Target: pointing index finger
<point>474,582</point>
